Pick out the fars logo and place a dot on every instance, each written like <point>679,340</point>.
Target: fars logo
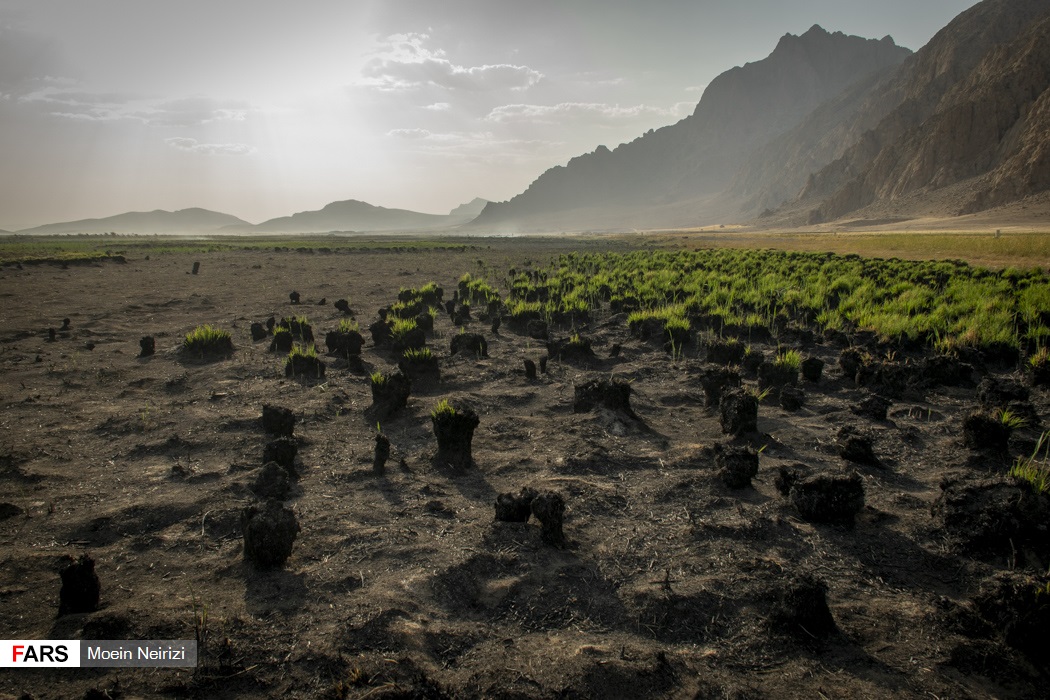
<point>39,653</point>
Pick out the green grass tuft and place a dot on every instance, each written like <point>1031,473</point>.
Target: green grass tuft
<point>208,340</point>
<point>444,408</point>
<point>791,359</point>
<point>1033,470</point>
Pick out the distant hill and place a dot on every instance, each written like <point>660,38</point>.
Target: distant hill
<point>354,215</point>
<point>158,221</point>
<point>674,168</point>
<point>350,215</point>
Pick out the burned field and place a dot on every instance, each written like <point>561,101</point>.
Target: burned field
<point>517,470</point>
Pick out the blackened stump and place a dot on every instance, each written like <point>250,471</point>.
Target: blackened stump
<point>850,362</point>
<point>812,369</point>
<point>51,335</point>
<point>788,476</point>
<point>792,398</point>
<point>308,367</point>
<point>575,349</point>
<point>278,420</point>
<point>725,353</point>
<point>470,343</point>
<point>422,370</point>
<point>80,586</point>
<point>270,323</point>
<point>537,330</point>
<point>147,346</point>
<point>65,325</point>
<point>272,482</point>
<point>530,369</point>
<point>774,376</point>
<point>855,446</point>
<point>752,361</point>
<point>543,365</point>
<point>342,306</point>
<point>412,339</point>
<point>196,267</point>
<point>873,407</point>
<point>282,451</point>
<point>997,393</point>
<point>738,412</point>
<point>294,297</point>
<point>996,517</point>
<point>983,432</point>
<point>425,322</point>
<point>828,499</point>
<point>715,382</point>
<point>380,331</point>
<point>344,343</point>
<point>1016,604</point>
<point>382,453</point>
<point>496,322</point>
<point>269,533</point>
<point>454,431</point>
<point>736,465</point>
<point>515,508</point>
<point>282,341</point>
<point>549,509</point>
<point>389,396</point>
<point>614,395</point>
<point>258,332</point>
<point>802,608</point>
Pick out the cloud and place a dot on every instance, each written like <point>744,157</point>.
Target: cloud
<point>439,107</point>
<point>181,143</point>
<point>482,147</point>
<point>70,102</point>
<point>590,112</point>
<point>407,63</point>
<point>409,133</point>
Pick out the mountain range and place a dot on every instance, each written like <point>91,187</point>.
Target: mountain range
<point>350,215</point>
<point>829,126</point>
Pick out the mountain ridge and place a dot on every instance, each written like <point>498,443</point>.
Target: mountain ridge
<point>193,219</point>
<point>699,154</point>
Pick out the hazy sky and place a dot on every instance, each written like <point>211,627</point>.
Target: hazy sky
<point>260,108</point>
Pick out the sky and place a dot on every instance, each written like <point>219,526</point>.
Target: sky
<point>262,108</point>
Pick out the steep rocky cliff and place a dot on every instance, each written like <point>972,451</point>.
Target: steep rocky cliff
<point>741,109</point>
<point>966,103</point>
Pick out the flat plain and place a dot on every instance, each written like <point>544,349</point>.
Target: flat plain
<point>670,582</point>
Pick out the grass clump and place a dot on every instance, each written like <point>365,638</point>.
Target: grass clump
<point>208,340</point>
<point>377,378</point>
<point>418,355</point>
<point>299,351</point>
<point>401,326</point>
<point>349,325</point>
<point>791,359</point>
<point>1033,470</point>
<point>443,408</point>
<point>1010,419</point>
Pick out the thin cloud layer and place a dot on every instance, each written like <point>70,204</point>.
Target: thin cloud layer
<point>182,143</point>
<point>407,64</point>
<point>578,111</point>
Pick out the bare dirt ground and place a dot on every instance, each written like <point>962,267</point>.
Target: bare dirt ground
<point>403,585</point>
